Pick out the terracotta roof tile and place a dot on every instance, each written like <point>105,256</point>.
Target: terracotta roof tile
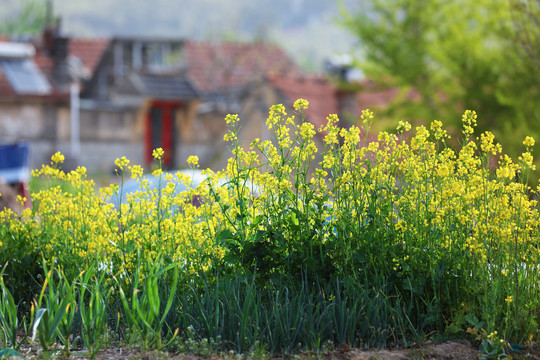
<point>89,51</point>
<point>44,63</point>
<point>219,66</point>
<point>5,87</point>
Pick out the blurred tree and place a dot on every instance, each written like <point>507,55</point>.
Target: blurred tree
<point>457,55</point>
<point>526,16</point>
<point>30,21</point>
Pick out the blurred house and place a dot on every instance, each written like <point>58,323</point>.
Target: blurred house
<point>135,101</point>
<point>35,82</point>
<point>136,94</point>
<point>97,100</point>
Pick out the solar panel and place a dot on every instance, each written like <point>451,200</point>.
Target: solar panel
<point>24,76</point>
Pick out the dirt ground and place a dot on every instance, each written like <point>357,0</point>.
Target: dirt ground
<point>450,350</point>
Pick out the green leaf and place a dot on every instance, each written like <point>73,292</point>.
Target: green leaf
<point>39,315</point>
<point>153,296</point>
<point>59,315</point>
<point>258,219</point>
<point>171,296</point>
<point>294,219</point>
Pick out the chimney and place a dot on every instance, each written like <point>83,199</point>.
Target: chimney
<point>57,47</point>
<point>59,54</point>
<point>49,31</point>
<point>60,49</point>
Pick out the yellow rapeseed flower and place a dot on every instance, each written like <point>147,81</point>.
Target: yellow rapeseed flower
<point>275,115</point>
<point>403,126</point>
<point>328,161</point>
<point>193,160</point>
<point>121,163</point>
<point>527,159</point>
<point>486,143</point>
<point>438,131</point>
<point>57,158</point>
<point>229,137</point>
<point>21,200</point>
<point>301,105</point>
<point>136,171</point>
<point>469,122</point>
<point>420,140</point>
<point>332,130</point>
<point>367,116</point>
<point>529,141</point>
<point>231,119</point>
<point>158,153</point>
<point>307,130</point>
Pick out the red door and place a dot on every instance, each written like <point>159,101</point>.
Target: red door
<point>160,131</point>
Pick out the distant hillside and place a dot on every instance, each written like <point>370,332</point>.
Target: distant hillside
<point>305,28</point>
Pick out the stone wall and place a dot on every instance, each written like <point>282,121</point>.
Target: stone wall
<point>42,124</point>
<point>109,133</point>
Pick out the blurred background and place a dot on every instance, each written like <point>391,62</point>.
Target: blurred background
<point>102,79</point>
<point>307,29</point>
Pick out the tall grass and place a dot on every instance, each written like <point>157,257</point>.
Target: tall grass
<point>294,245</point>
<point>233,313</point>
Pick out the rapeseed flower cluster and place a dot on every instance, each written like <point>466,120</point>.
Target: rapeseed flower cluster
<point>432,221</point>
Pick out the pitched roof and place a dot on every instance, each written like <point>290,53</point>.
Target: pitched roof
<point>158,86</point>
<point>89,51</point>
<point>228,65</point>
<point>24,74</point>
<point>320,93</point>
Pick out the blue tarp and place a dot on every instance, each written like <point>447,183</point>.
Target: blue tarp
<point>14,162</point>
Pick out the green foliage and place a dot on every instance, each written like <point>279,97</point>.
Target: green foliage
<point>93,309</point>
<point>526,16</point>
<point>455,55</point>
<point>145,312</point>
<point>55,311</point>
<point>29,22</point>
<point>9,321</point>
<point>368,243</point>
<point>21,266</point>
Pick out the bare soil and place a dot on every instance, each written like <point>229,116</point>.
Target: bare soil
<point>450,350</point>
